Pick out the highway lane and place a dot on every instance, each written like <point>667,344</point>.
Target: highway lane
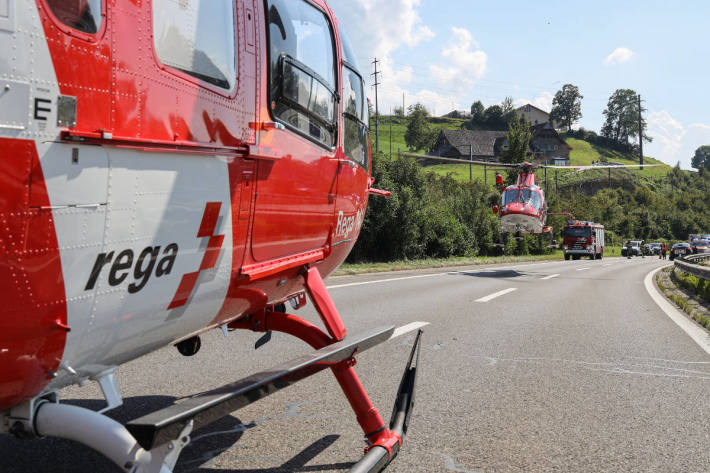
<point>571,367</point>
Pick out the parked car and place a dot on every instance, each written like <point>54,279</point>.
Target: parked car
<point>653,248</point>
<point>635,248</point>
<point>680,249</point>
<point>700,245</point>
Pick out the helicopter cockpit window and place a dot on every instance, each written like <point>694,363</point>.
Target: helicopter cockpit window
<point>356,138</point>
<point>510,196</point>
<point>530,197</point>
<point>83,15</point>
<point>197,37</point>
<point>302,69</point>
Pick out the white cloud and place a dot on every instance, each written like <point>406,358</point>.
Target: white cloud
<point>378,27</point>
<point>619,56</point>
<point>673,142</point>
<point>466,62</point>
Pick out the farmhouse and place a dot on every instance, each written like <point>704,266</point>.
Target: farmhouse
<point>483,145</point>
<point>535,115</point>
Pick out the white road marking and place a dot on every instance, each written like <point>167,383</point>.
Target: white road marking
<point>550,277</point>
<point>496,294</point>
<point>584,269</point>
<point>700,336</point>
<point>399,331</point>
<point>390,280</point>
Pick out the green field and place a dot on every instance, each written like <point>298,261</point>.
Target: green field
<point>398,127</point>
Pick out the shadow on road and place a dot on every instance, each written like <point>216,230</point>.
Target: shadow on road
<point>296,464</point>
<point>496,274</point>
<point>52,455</point>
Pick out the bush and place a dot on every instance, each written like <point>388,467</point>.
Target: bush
<point>427,215</point>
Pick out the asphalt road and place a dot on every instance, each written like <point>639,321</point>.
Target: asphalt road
<point>576,369</point>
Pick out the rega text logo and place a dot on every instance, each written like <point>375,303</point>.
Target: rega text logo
<point>120,266</point>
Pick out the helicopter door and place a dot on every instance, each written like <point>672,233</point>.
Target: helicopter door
<point>296,190</point>
<point>353,168</point>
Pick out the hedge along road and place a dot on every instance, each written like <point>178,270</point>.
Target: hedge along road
<point>577,372</point>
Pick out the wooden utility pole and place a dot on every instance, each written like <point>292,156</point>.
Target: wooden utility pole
<point>390,132</point>
<point>377,107</point>
<point>470,166</point>
<point>640,136</point>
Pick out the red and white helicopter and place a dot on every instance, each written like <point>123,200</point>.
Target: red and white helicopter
<point>523,206</point>
<point>171,167</point>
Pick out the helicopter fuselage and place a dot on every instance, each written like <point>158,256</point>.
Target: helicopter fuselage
<point>148,196</point>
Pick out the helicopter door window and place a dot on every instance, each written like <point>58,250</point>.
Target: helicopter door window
<point>83,15</point>
<point>197,37</point>
<point>355,134</point>
<point>302,69</point>
<point>510,196</point>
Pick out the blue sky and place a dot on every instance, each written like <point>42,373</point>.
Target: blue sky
<point>448,53</point>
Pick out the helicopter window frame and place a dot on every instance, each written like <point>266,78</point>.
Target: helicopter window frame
<point>361,127</point>
<point>275,87</point>
<point>197,77</point>
<point>66,28</point>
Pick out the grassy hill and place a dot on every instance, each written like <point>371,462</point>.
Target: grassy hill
<point>582,153</point>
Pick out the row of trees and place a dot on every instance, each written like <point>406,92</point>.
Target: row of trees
<point>622,113</point>
<point>495,117</point>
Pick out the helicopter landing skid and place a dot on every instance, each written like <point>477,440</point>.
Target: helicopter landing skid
<point>152,443</point>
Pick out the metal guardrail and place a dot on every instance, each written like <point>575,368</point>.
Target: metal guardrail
<point>688,264</point>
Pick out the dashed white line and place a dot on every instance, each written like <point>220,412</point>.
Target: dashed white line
<point>389,280</point>
<point>399,331</point>
<point>550,276</point>
<point>584,269</point>
<point>496,294</point>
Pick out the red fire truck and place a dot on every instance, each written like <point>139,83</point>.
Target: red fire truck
<point>582,238</point>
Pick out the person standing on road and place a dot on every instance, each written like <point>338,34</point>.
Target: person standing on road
<point>629,249</point>
<point>664,248</point>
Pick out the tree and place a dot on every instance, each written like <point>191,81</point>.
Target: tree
<point>399,112</point>
<point>567,106</point>
<point>518,140</point>
<point>507,105</point>
<point>477,113</point>
<point>518,143</point>
<point>418,135</point>
<point>701,160</point>
<point>493,118</point>
<point>622,112</point>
